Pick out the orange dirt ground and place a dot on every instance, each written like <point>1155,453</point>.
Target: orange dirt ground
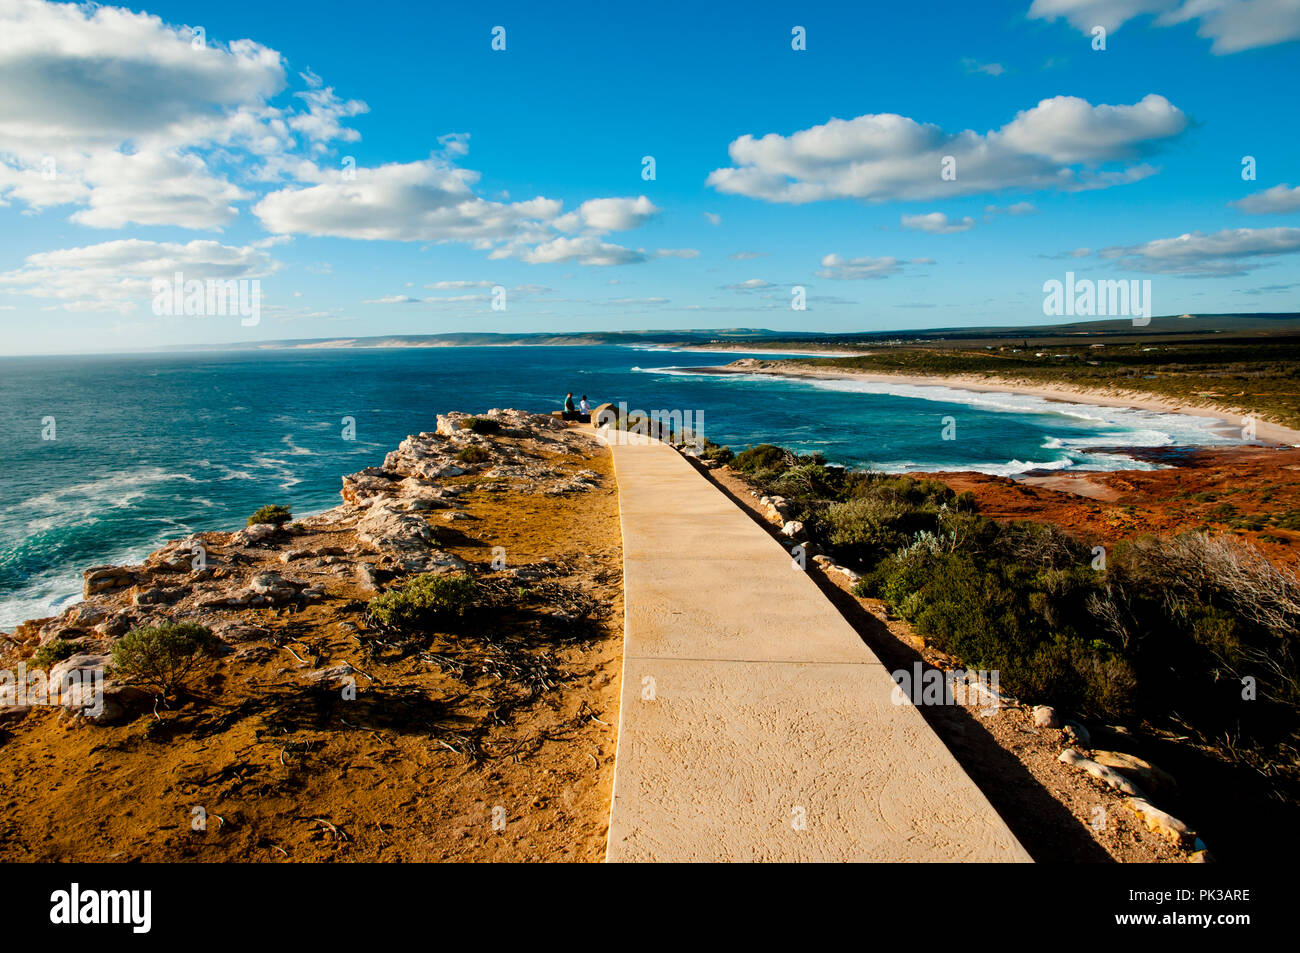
<point>284,772</point>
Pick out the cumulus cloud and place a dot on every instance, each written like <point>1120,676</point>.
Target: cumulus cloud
<point>1278,199</point>
<point>585,250</point>
<point>117,275</point>
<point>127,115</point>
<point>1233,251</point>
<point>428,200</point>
<point>937,223</point>
<point>433,200</point>
<point>1233,25</point>
<point>1061,143</point>
<point>852,269</point>
<point>598,216</point>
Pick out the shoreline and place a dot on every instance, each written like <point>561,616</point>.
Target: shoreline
<point>1266,431</point>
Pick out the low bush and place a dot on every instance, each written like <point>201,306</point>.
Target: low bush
<point>474,454</point>
<point>424,602</point>
<point>763,457</point>
<point>52,653</point>
<point>272,513</point>
<point>162,657</point>
<point>481,425</point>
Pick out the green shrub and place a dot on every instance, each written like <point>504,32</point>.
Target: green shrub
<point>272,513</point>
<point>474,454</point>
<point>424,602</point>
<point>52,653</point>
<point>866,527</point>
<point>161,657</point>
<point>481,425</point>
<point>763,457</point>
<point>713,451</point>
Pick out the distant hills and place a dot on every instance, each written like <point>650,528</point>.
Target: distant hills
<point>1259,324</point>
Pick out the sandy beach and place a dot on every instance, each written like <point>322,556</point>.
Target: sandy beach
<point>1233,418</point>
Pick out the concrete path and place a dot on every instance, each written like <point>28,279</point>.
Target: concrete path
<point>754,723</point>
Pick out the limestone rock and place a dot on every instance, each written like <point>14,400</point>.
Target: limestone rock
<point>1078,734</point>
<point>106,578</point>
<point>1134,768</point>
<point>158,596</point>
<point>1045,716</point>
<point>1161,822</point>
<point>257,534</point>
<point>366,578</point>
<point>386,528</point>
<point>59,673</point>
<point>1102,773</point>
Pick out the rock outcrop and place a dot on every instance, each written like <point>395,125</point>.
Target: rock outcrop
<point>384,529</point>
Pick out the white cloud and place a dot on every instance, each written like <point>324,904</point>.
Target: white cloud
<point>132,114</point>
<point>747,255</point>
<point>608,215</point>
<point>151,188</point>
<point>937,223</point>
<point>392,299</point>
<point>851,269</point>
<point>1233,251</point>
<point>117,275</point>
<point>321,123</point>
<point>713,218</point>
<point>677,253</point>
<point>1278,199</point>
<point>1058,144</point>
<point>416,201</point>
<point>1233,25</point>
<point>751,284</point>
<point>585,250</point>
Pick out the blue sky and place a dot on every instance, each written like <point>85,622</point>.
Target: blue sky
<point>130,151</point>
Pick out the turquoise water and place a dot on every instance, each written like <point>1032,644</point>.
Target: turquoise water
<point>152,447</point>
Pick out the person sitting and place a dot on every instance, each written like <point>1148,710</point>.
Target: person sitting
<point>570,413</point>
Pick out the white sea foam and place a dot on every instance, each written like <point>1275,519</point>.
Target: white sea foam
<point>1116,426</point>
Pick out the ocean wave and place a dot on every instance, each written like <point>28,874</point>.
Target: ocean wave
<point>1075,462</point>
<point>1116,426</point>
<point>82,504</point>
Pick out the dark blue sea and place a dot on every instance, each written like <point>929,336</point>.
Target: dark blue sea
<point>150,447</point>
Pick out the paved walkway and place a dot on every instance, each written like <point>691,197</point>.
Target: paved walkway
<point>754,723</point>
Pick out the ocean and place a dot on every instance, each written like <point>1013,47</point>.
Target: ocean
<point>150,447</point>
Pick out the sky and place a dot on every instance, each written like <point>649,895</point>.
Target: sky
<point>387,168</point>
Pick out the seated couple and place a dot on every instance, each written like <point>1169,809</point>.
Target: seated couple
<point>582,413</point>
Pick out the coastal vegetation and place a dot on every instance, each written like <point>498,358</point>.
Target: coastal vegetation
<point>424,601</point>
<point>482,425</point>
<point>273,514</point>
<point>52,653</point>
<point>1191,631</point>
<point>162,657</point>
